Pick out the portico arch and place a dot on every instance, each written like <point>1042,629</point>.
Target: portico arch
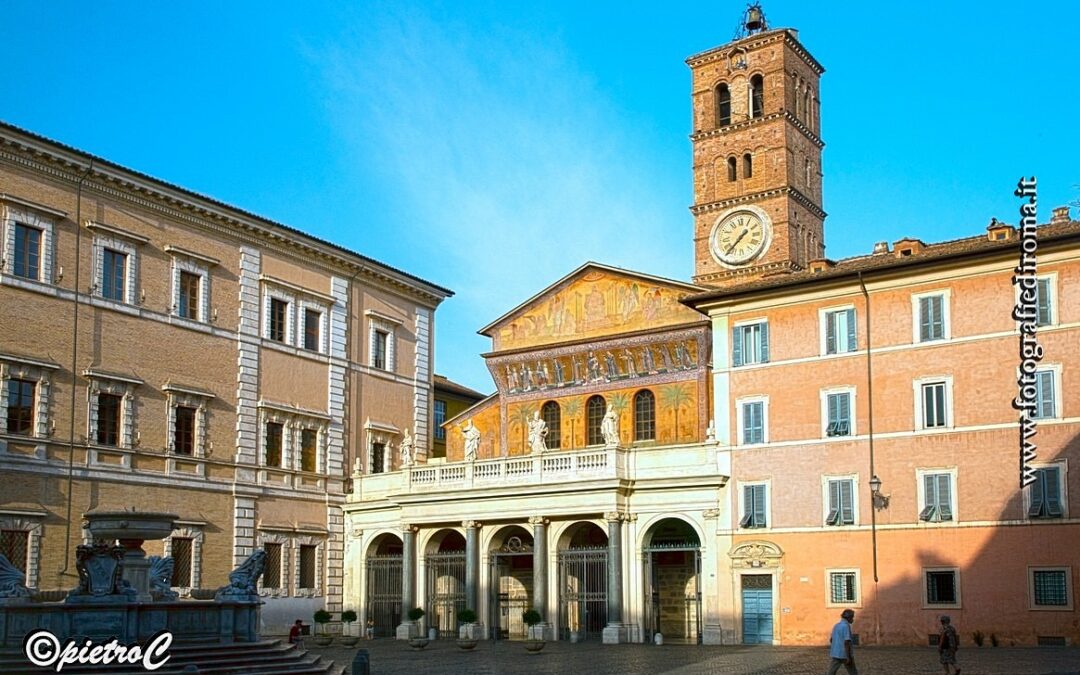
<point>671,556</point>
<point>383,587</point>
<point>582,556</point>
<point>444,562</point>
<point>511,554</point>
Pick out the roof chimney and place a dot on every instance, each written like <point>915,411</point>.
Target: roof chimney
<point>881,247</point>
<point>1061,215</point>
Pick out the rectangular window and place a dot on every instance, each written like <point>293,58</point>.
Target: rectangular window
<point>15,546</point>
<point>308,444</point>
<point>274,434</point>
<point>933,405</point>
<point>937,497</point>
<point>1044,300</point>
<point>279,312</point>
<point>839,410</point>
<point>753,418</point>
<point>941,588</point>
<point>753,506</point>
<point>113,274</point>
<point>843,588</point>
<point>184,431</point>
<point>378,354</point>
<point>931,318</point>
<point>27,263</point>
<point>1050,588</point>
<point>841,502</point>
<point>378,457</point>
<point>312,329</point>
<point>307,566</point>
<point>840,331</point>
<point>750,344</point>
<point>271,577</point>
<point>182,550</point>
<point>1045,492</point>
<point>108,419</point>
<point>440,418</point>
<point>1045,403</point>
<point>20,407</point>
<point>188,306</point>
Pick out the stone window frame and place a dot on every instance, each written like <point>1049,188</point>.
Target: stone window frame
<point>20,368</point>
<point>30,216</point>
<point>31,522</point>
<point>377,432</point>
<point>106,237</point>
<point>271,293</point>
<point>188,397</point>
<point>825,499</point>
<point>194,532</point>
<point>303,423</point>
<point>825,315</point>
<point>824,394</point>
<point>320,544</point>
<point>829,572</point>
<point>387,324</point>
<point>920,414</point>
<point>302,305</point>
<point>946,316</point>
<point>767,484</point>
<point>1069,596</point>
<point>270,537</point>
<point>926,604</point>
<point>1062,465</point>
<point>739,422</point>
<point>293,421</point>
<point>192,263</point>
<point>118,385</point>
<point>1055,370</point>
<point>920,494</point>
<point>298,299</point>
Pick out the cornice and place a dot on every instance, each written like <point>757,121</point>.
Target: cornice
<point>746,124</point>
<point>755,41</point>
<point>711,207</point>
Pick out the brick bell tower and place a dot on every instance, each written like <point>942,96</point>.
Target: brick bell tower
<point>757,156</point>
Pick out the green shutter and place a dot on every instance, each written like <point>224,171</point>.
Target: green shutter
<point>924,319</point>
<point>929,498</point>
<point>748,507</point>
<point>1044,394</point>
<point>1051,476</point>
<point>764,338</point>
<point>1043,296</point>
<point>851,330</point>
<point>1038,494</point>
<point>834,503</point>
<point>944,494</point>
<point>830,332</point>
<point>737,346</point>
<point>759,505</point>
<point>847,504</point>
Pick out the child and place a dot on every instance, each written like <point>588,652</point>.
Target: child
<point>296,636</point>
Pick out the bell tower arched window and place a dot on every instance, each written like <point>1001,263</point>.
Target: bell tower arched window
<point>808,111</point>
<point>723,105</point>
<point>732,169</point>
<point>757,96</point>
<point>747,166</point>
<point>552,416</point>
<point>594,417</point>
<point>644,416</point>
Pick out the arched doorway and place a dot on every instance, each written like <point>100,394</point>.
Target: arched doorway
<point>582,562</point>
<point>383,572</point>
<point>445,564</point>
<point>672,559</point>
<point>511,582</point>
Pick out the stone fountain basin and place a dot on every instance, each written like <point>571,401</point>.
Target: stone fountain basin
<point>130,525</point>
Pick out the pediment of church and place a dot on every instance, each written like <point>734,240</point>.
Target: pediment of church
<point>593,301</point>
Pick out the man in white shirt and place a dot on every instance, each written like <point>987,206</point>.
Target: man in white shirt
<point>840,645</point>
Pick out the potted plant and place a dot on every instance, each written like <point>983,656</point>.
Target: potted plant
<point>533,644</point>
<point>417,641</point>
<point>347,638</point>
<point>466,639</point>
<point>322,638</point>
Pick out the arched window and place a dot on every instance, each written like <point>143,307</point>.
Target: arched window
<point>594,416</point>
<point>552,417</point>
<point>807,172</point>
<point>732,169</point>
<point>644,416</point>
<point>757,96</point>
<point>807,110</point>
<point>747,166</point>
<point>723,105</point>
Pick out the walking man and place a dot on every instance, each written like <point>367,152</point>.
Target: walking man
<point>840,645</point>
<point>947,645</point>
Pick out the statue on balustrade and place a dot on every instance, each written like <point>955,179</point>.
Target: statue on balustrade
<point>538,431</point>
<point>472,440</point>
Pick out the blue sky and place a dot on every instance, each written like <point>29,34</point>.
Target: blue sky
<point>492,147</point>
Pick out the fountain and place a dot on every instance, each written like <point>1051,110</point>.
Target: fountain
<point>131,529</point>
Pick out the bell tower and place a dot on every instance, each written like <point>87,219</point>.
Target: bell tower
<point>757,156</point>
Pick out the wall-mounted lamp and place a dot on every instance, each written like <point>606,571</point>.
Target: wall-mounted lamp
<point>880,501</point>
<point>60,274</point>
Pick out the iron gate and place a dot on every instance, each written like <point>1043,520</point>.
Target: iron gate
<point>446,591</point>
<point>582,592</point>
<point>384,594</point>
<point>682,608</point>
<point>510,598</point>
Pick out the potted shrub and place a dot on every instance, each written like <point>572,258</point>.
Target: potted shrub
<point>347,638</point>
<point>533,645</point>
<point>417,641</point>
<point>466,639</point>
<point>322,638</point>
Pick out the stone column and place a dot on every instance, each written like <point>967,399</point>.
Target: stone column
<point>472,576</point>
<point>615,631</point>
<point>708,582</point>
<point>408,582</point>
<point>540,576</point>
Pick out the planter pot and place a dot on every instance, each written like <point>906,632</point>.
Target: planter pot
<point>467,645</point>
<point>324,640</point>
<point>349,640</point>
<point>418,643</point>
<point>534,646</point>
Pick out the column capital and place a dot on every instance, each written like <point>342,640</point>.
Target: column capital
<point>614,516</point>
<point>471,524</point>
<point>538,520</point>
<point>408,528</point>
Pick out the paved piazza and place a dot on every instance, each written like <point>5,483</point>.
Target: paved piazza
<point>389,657</point>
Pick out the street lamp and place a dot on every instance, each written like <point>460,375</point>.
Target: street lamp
<point>880,501</point>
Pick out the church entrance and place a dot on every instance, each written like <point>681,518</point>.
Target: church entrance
<point>583,583</point>
<point>445,566</point>
<point>672,559</point>
<point>511,583</point>
<point>384,577</point>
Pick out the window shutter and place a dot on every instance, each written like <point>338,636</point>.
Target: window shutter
<point>834,503</point>
<point>830,332</point>
<point>1052,491</point>
<point>763,336</point>
<point>929,497</point>
<point>748,506</point>
<point>737,346</point>
<point>924,319</point>
<point>759,505</point>
<point>843,412</point>
<point>847,506</point>
<point>1044,393</point>
<point>944,496</point>
<point>850,330</point>
<point>938,316</point>
<point>1038,494</point>
<point>1043,302</point>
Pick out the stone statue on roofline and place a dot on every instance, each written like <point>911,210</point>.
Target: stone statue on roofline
<point>406,449</point>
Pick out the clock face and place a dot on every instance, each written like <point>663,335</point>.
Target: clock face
<point>740,236</point>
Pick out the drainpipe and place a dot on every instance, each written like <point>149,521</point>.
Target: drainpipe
<point>870,435</point>
<point>74,366</point>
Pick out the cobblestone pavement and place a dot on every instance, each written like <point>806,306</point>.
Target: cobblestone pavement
<point>390,657</point>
